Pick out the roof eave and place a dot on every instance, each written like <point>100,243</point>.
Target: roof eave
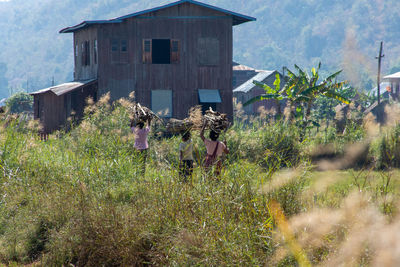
<point>236,17</point>
<point>85,24</point>
<point>248,85</point>
<point>53,89</point>
<point>241,21</point>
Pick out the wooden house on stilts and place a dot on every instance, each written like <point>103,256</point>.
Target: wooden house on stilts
<point>173,57</point>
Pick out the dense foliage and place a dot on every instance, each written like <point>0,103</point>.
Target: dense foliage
<point>344,34</point>
<point>20,102</point>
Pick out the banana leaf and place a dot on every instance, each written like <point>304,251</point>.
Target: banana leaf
<point>266,87</point>
<point>337,96</point>
<point>313,89</point>
<point>277,82</point>
<point>333,76</point>
<point>263,97</point>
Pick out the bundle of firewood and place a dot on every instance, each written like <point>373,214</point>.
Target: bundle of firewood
<point>216,121</point>
<point>213,120</point>
<point>141,113</point>
<point>178,126</point>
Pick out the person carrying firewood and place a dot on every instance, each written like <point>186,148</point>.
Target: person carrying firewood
<point>141,145</point>
<point>215,149</point>
<point>186,156</point>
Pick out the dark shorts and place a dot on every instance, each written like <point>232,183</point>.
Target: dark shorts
<point>186,168</point>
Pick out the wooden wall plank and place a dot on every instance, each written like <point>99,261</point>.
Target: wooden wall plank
<point>183,78</point>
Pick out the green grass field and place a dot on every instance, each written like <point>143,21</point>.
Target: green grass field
<point>79,198</point>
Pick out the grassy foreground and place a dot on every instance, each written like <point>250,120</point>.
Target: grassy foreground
<point>79,198</point>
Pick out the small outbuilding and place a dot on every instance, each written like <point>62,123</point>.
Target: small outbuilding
<point>53,105</point>
<point>249,90</point>
<point>242,73</point>
<point>393,87</point>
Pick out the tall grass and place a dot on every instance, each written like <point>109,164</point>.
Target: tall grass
<point>80,198</point>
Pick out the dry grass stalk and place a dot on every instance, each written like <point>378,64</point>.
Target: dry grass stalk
<point>263,113</point>
<point>370,125</point>
<point>356,232</point>
<point>132,95</point>
<point>339,115</point>
<point>196,117</point>
<point>392,115</point>
<point>287,112</point>
<point>288,235</point>
<point>353,156</point>
<point>323,181</point>
<point>282,178</point>
<point>238,111</point>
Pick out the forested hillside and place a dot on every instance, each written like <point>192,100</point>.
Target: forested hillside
<point>341,34</point>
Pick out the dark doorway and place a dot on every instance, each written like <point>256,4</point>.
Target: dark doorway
<point>161,51</point>
<point>206,106</point>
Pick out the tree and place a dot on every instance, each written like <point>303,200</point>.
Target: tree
<point>20,102</point>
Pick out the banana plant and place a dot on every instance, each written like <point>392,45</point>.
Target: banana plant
<point>270,93</point>
<point>301,90</point>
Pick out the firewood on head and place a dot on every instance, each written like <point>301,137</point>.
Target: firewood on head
<point>141,113</point>
<point>216,121</point>
<point>178,126</point>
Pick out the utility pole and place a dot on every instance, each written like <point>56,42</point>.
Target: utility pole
<point>379,58</point>
<point>52,81</point>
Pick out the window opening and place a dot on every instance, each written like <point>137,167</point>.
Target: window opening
<point>87,50</point>
<point>161,102</point>
<point>161,51</point>
<point>174,51</point>
<point>95,51</point>
<point>124,46</point>
<point>114,45</point>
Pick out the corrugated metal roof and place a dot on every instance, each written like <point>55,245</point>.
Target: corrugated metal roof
<point>237,66</point>
<point>209,96</point>
<point>87,23</point>
<point>247,86</point>
<point>237,18</point>
<point>392,76</point>
<point>65,87</point>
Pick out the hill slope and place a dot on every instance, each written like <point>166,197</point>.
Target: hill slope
<point>341,34</point>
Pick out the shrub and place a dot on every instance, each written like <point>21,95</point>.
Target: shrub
<point>386,148</point>
<point>20,102</point>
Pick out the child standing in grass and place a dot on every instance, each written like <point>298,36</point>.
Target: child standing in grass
<point>186,156</point>
<point>141,144</point>
<point>215,149</point>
